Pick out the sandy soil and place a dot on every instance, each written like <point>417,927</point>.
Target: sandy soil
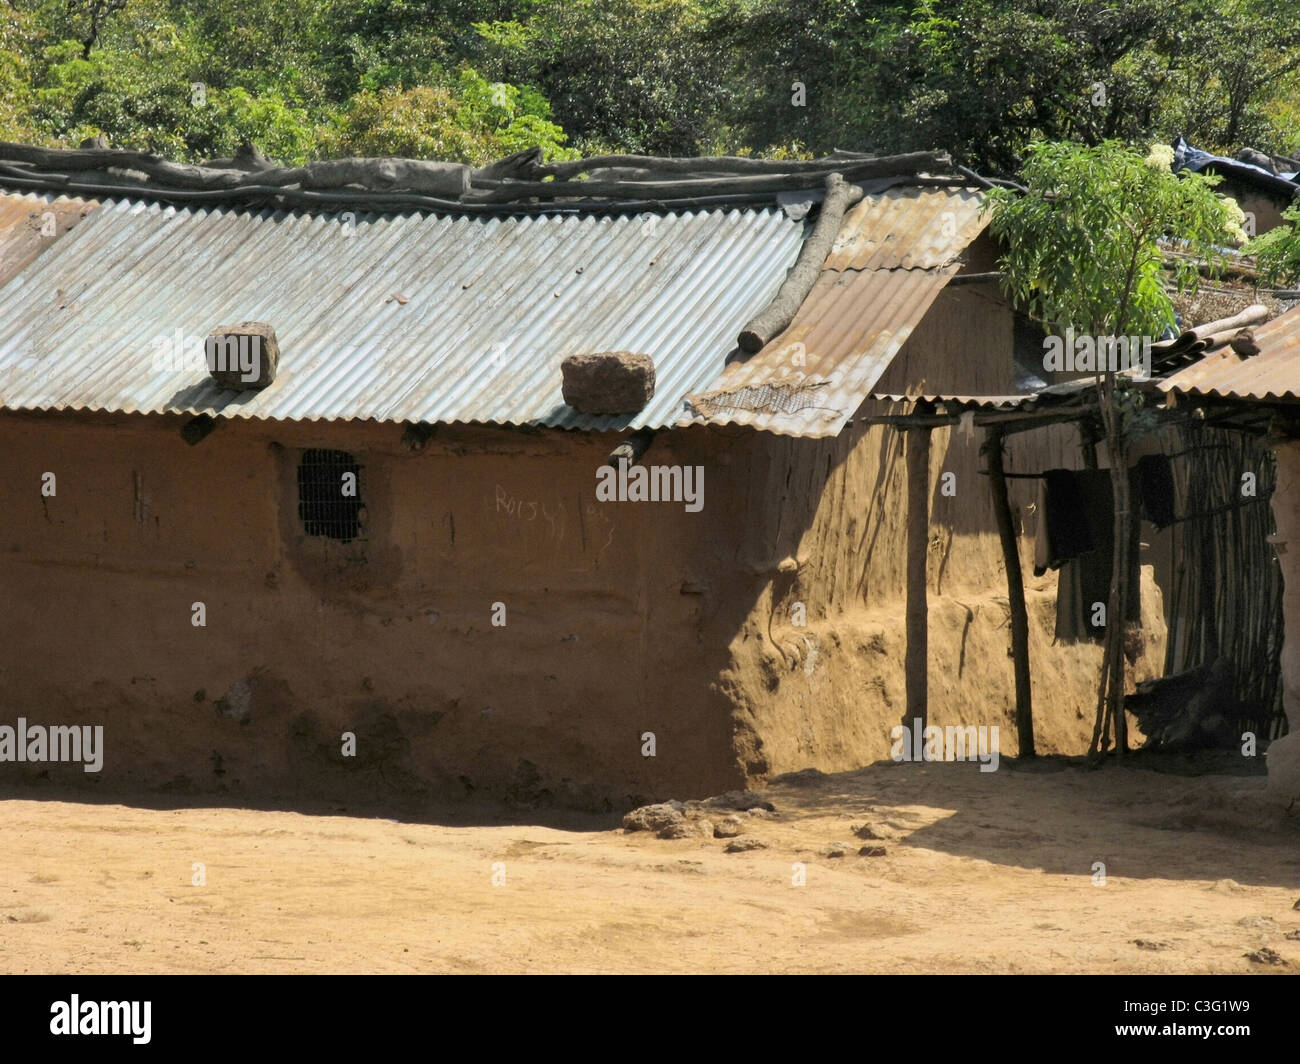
<point>983,872</point>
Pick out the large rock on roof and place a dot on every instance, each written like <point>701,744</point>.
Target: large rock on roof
<point>611,382</point>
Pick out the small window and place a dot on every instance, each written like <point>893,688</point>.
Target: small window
<point>329,494</point>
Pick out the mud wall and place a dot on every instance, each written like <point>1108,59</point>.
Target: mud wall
<point>617,614</point>
<point>827,693</point>
<point>1286,511</point>
<point>621,618</point>
<point>1284,754</point>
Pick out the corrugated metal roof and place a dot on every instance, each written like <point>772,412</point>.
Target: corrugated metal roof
<point>908,228</point>
<point>892,258</point>
<point>983,402</point>
<point>1271,376</point>
<point>30,223</point>
<point>850,327</point>
<point>489,308</point>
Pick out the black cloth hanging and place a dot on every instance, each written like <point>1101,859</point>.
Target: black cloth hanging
<point>1155,484</point>
<point>1079,521</point>
<point>1066,518</point>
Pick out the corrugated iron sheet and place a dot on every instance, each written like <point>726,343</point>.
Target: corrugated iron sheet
<point>894,254</point>
<point>810,380</point>
<point>30,223</point>
<point>982,402</point>
<point>393,318</point>
<point>909,229</point>
<point>1271,376</point>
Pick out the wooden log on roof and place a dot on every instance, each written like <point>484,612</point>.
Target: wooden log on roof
<point>807,268</point>
<point>682,188</point>
<point>1254,314</point>
<point>383,174</point>
<point>1195,339</point>
<point>177,175</point>
<point>380,174</point>
<point>982,182</point>
<point>1221,339</point>
<point>246,158</point>
<point>735,165</point>
<point>524,164</point>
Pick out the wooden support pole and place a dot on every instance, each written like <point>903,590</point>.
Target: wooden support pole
<point>916,662</point>
<point>632,448</point>
<point>1015,594</point>
<point>416,434</point>
<point>198,429</point>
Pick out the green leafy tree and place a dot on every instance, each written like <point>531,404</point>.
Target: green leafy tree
<point>1081,252</point>
<point>481,122</point>
<point>95,15</point>
<point>16,43</point>
<point>1246,52</point>
<point>643,76</point>
<point>985,78</point>
<point>982,78</point>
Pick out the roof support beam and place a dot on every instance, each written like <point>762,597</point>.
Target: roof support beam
<point>198,429</point>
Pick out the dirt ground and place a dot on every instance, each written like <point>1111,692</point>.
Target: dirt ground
<point>982,872</point>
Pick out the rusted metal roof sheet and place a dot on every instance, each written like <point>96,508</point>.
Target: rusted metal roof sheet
<point>909,229</point>
<point>412,317</point>
<point>810,380</point>
<point>894,255</point>
<point>31,223</point>
<point>1271,376</point>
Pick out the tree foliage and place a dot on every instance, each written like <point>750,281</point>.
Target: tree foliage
<point>982,78</point>
<point>1081,247</point>
<point>1082,251</point>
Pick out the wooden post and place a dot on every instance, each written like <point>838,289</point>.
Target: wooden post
<point>1015,594</point>
<point>918,543</point>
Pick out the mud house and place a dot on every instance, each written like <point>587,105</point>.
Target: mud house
<point>475,617</point>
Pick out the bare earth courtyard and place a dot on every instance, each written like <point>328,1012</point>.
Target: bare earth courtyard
<point>989,872</point>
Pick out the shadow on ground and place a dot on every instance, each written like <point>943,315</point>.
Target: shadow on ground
<point>1200,817</point>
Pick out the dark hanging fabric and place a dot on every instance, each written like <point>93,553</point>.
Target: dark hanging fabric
<point>1085,577</point>
<point>1155,487</point>
<point>1066,518</point>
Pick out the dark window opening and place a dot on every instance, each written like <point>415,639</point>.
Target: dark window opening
<point>329,494</point>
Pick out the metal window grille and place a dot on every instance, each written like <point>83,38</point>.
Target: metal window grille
<point>324,507</point>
